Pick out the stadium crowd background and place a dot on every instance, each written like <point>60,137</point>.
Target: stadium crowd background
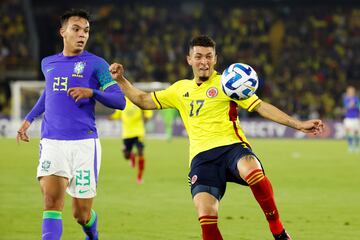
<point>305,54</point>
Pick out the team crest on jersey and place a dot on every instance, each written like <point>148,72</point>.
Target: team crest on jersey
<point>212,92</point>
<point>194,179</point>
<point>79,69</point>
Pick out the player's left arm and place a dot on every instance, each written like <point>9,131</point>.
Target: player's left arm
<point>269,111</point>
<point>112,97</point>
<point>110,94</point>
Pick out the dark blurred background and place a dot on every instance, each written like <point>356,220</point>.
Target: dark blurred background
<point>305,52</point>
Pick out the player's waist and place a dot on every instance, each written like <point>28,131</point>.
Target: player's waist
<point>197,147</point>
<point>68,133</point>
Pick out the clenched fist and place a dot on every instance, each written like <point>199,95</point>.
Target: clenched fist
<point>117,72</point>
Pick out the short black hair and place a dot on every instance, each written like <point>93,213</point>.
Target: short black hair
<point>203,41</point>
<point>74,13</point>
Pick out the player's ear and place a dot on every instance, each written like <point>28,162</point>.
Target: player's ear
<point>215,60</point>
<point>62,31</point>
<point>188,58</point>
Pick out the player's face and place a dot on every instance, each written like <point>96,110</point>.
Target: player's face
<point>75,34</point>
<point>202,61</point>
<point>350,91</point>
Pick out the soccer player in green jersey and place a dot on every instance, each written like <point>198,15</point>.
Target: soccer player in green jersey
<point>219,150</point>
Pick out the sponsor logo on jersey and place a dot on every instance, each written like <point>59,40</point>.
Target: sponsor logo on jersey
<point>212,92</point>
<point>79,69</point>
<point>186,94</point>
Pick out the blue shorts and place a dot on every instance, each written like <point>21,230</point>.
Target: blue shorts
<point>130,142</point>
<point>212,169</point>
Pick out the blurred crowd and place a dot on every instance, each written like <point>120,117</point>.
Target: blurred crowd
<point>305,56</point>
<point>14,36</point>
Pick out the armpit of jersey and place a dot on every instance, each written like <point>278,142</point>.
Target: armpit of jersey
<point>250,103</point>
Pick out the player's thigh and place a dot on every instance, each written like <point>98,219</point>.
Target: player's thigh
<point>85,168</point>
<point>208,176</point>
<point>351,125</point>
<point>53,190</point>
<point>128,145</point>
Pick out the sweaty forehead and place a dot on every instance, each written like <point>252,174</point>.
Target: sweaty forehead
<point>75,20</point>
<point>200,50</point>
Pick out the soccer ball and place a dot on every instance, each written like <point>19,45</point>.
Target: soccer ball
<point>239,81</point>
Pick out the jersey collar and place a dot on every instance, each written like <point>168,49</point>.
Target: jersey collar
<point>211,78</point>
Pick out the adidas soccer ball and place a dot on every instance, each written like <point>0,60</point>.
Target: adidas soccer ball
<point>239,81</point>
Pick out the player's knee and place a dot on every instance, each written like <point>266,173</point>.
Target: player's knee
<point>126,154</point>
<point>81,217</point>
<point>206,204</point>
<point>206,210</point>
<point>53,203</point>
<point>247,164</point>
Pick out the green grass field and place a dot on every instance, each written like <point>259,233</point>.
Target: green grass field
<point>316,184</point>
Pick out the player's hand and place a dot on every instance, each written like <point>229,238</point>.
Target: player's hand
<point>21,133</point>
<point>78,93</point>
<point>314,126</point>
<point>117,71</point>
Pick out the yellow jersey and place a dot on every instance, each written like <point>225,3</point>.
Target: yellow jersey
<point>209,115</point>
<point>132,118</point>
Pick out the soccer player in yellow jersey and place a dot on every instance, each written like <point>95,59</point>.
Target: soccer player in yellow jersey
<point>219,150</point>
<point>133,132</point>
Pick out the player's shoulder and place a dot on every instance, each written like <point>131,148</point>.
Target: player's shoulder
<point>51,58</point>
<point>182,82</point>
<point>93,57</point>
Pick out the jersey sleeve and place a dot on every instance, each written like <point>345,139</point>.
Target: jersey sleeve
<point>116,115</point>
<point>38,109</point>
<point>103,75</point>
<point>165,98</point>
<point>148,114</point>
<point>250,103</point>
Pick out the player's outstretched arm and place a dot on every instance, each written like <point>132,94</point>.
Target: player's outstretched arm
<point>268,111</point>
<point>140,98</point>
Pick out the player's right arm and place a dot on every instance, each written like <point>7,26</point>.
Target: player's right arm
<point>35,112</point>
<point>140,98</point>
<point>270,112</point>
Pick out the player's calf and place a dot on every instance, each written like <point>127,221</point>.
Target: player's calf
<point>52,225</point>
<point>90,227</point>
<point>209,228</point>
<point>282,236</point>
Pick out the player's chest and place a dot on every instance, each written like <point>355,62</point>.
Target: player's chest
<point>208,101</point>
<point>64,75</point>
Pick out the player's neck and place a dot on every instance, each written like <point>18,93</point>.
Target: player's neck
<point>71,53</point>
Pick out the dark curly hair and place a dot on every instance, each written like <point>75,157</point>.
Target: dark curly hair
<point>203,41</point>
<point>74,13</point>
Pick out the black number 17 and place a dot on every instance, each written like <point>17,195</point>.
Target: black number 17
<point>199,103</point>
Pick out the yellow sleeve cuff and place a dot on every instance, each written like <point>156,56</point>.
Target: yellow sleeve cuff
<point>156,101</point>
<point>254,104</point>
